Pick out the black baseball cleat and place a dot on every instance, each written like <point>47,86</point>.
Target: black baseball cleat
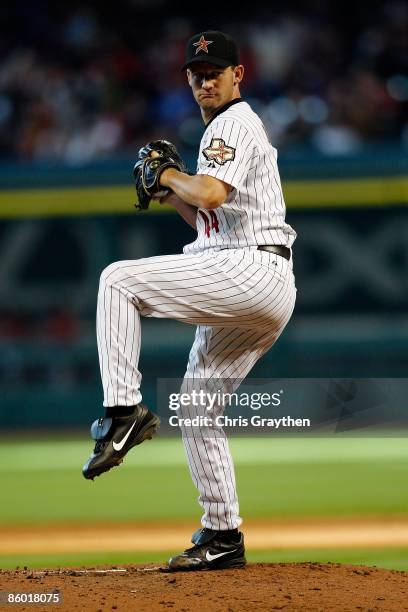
<point>115,436</point>
<point>211,550</point>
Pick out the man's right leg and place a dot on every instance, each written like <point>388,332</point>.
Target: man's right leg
<point>202,289</point>
<point>128,289</point>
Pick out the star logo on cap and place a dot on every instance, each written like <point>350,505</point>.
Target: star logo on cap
<point>202,45</point>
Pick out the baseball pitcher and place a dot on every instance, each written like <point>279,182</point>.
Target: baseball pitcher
<point>235,283</point>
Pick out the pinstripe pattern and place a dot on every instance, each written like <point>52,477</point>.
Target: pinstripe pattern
<point>239,298</point>
<point>254,212</point>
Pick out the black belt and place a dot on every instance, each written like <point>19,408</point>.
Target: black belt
<point>276,248</point>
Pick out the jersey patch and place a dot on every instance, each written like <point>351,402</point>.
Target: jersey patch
<point>219,152</point>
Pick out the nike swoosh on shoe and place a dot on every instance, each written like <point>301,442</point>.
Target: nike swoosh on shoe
<point>119,445</point>
<point>211,557</point>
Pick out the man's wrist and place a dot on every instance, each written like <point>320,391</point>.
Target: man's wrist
<point>166,176</point>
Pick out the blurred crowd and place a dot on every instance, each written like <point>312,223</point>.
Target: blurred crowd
<point>55,348</point>
<point>78,83</point>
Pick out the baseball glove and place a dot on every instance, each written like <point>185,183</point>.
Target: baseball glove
<point>153,158</point>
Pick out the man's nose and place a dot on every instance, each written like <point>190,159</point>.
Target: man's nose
<point>206,83</point>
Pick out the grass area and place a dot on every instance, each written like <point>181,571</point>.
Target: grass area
<point>392,558</point>
<point>42,482</point>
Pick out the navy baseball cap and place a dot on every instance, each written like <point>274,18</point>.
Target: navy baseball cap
<point>213,47</point>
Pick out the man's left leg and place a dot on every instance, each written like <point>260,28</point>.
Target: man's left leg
<point>219,360</point>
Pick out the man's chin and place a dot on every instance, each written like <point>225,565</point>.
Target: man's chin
<point>208,104</point>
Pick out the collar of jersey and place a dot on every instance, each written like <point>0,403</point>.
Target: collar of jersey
<point>224,108</point>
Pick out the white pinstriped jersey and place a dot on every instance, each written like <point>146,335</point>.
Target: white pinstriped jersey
<point>239,297</point>
<point>235,149</point>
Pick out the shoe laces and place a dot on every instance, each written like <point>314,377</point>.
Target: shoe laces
<point>194,548</point>
<point>197,547</point>
<point>99,446</point>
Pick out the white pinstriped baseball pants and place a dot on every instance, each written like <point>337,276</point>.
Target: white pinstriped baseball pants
<point>240,300</point>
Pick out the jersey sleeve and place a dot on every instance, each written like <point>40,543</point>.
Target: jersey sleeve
<point>226,152</point>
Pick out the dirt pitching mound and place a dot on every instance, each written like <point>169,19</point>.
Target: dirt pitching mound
<point>280,586</point>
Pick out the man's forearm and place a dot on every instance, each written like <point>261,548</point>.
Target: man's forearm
<point>198,190</point>
<point>187,211</point>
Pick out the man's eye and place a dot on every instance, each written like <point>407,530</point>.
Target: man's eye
<point>209,76</point>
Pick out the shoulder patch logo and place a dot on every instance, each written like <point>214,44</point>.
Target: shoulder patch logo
<point>219,151</point>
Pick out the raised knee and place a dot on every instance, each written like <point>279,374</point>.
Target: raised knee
<point>109,274</point>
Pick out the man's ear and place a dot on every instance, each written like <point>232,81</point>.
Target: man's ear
<point>188,71</point>
<point>238,74</point>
